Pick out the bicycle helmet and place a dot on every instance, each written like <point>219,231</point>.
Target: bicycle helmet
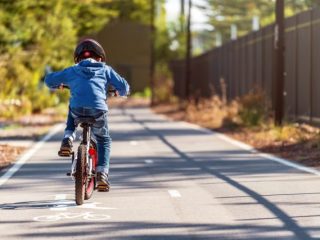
<point>88,48</point>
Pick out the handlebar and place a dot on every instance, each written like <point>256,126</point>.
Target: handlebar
<point>111,90</point>
<point>64,86</point>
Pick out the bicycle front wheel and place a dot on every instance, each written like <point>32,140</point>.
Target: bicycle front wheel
<point>80,175</point>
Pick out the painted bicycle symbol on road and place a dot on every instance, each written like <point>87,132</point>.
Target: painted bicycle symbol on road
<point>67,215</point>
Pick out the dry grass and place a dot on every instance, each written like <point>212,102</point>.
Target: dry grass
<point>212,113</point>
<point>298,142</point>
<point>247,120</point>
<point>8,154</point>
<point>28,127</point>
<point>130,102</point>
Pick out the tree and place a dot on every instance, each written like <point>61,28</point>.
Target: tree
<point>38,33</point>
<point>131,10</point>
<point>223,14</point>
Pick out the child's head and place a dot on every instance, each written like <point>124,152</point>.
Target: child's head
<point>89,48</point>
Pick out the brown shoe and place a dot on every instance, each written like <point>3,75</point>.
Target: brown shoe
<point>103,184</point>
<point>66,148</point>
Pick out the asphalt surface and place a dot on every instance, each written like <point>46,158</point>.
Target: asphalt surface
<point>169,181</point>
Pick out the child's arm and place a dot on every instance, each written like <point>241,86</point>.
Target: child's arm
<point>120,84</point>
<point>56,79</point>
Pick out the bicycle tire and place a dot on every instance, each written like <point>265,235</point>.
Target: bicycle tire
<point>90,182</point>
<point>80,177</point>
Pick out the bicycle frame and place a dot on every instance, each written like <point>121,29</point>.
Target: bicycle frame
<point>86,139</point>
<point>83,164</point>
<point>86,135</point>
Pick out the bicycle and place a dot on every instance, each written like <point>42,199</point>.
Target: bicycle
<point>83,168</point>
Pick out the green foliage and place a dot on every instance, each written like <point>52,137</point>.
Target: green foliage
<point>132,10</point>
<point>11,108</point>
<point>163,85</point>
<point>146,93</point>
<point>163,40</point>
<point>42,99</point>
<point>175,32</point>
<point>39,33</point>
<point>253,108</point>
<point>240,12</point>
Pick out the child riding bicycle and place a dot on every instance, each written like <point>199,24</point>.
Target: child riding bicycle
<point>88,81</point>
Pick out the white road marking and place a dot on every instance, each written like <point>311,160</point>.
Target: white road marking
<point>255,151</point>
<point>94,206</point>
<point>24,158</point>
<point>133,143</point>
<point>148,161</point>
<point>65,216</point>
<point>61,204</point>
<point>174,193</point>
<point>269,156</point>
<point>60,196</point>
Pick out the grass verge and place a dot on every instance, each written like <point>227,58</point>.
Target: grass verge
<point>16,134</point>
<point>248,120</point>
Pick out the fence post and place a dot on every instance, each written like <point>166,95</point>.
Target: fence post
<point>296,92</point>
<point>188,52</point>
<point>311,66</point>
<point>152,51</point>
<point>279,62</point>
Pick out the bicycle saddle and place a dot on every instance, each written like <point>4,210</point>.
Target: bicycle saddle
<point>88,120</point>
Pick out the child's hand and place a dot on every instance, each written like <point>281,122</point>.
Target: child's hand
<point>62,86</point>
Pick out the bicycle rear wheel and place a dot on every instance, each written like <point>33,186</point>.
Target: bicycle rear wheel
<point>80,175</point>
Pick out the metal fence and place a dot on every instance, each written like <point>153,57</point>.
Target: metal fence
<point>247,63</point>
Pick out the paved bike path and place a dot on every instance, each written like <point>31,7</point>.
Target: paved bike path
<point>169,181</point>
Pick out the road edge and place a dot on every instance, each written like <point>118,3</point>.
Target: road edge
<point>26,156</point>
<point>246,147</point>
<point>251,149</point>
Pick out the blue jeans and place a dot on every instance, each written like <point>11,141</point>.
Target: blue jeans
<point>99,129</point>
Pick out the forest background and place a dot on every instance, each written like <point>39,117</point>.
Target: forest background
<point>39,36</point>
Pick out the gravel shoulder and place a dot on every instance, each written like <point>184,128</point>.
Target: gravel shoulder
<point>16,136</point>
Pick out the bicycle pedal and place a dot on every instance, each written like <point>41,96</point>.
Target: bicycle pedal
<point>64,153</point>
<point>103,188</point>
<point>69,174</point>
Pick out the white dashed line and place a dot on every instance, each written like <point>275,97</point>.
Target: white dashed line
<point>148,161</point>
<point>133,143</point>
<point>93,205</point>
<point>60,197</point>
<point>174,193</point>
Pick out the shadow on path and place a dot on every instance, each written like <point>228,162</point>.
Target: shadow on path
<point>288,223</point>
